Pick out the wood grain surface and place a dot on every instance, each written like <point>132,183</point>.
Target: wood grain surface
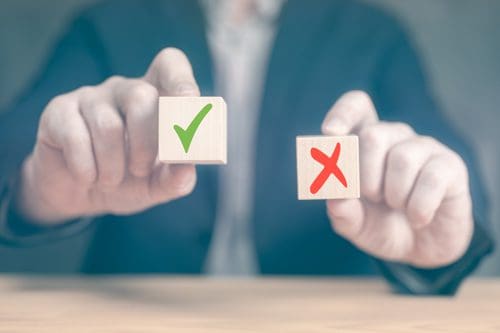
<point>207,131</point>
<point>309,169</point>
<point>179,304</point>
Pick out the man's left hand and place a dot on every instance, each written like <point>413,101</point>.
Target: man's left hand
<point>415,204</point>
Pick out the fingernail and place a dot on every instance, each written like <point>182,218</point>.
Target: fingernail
<point>336,128</point>
<point>186,177</point>
<point>186,89</point>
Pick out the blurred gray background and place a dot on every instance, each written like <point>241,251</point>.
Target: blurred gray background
<point>459,41</point>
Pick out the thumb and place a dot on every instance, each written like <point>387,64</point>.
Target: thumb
<point>346,217</point>
<point>172,74</point>
<point>349,114</point>
<point>171,181</point>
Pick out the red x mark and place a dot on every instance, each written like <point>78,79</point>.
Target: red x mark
<point>330,164</point>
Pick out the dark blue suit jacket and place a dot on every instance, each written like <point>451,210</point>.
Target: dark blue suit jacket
<point>322,49</point>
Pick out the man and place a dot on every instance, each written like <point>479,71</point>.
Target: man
<point>94,157</point>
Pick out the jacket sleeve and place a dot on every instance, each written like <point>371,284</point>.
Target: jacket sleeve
<point>401,93</point>
<point>77,60</point>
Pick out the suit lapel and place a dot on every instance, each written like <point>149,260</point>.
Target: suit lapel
<point>185,23</point>
<point>302,30</point>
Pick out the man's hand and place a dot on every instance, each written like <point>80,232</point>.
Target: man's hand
<point>415,204</point>
<point>96,149</point>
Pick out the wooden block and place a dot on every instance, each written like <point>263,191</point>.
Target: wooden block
<point>192,130</point>
<point>327,167</point>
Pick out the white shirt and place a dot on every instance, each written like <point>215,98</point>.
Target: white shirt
<point>240,36</point>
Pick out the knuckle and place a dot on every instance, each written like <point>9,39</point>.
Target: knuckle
<point>371,191</point>
<point>141,162</point>
<point>107,123</point>
<point>74,140</point>
<point>428,141</point>
<point>86,92</point>
<point>456,159</point>
<point>393,195</point>
<point>61,103</point>
<point>456,164</point>
<point>110,179</point>
<point>418,214</point>
<point>371,138</point>
<point>140,96</point>
<point>139,167</point>
<point>48,114</point>
<point>371,188</point>
<point>85,174</point>
<point>393,199</point>
<point>431,178</point>
<point>462,166</point>
<point>403,127</point>
<point>400,159</point>
<point>112,80</point>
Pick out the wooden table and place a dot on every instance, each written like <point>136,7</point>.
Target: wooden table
<point>160,304</point>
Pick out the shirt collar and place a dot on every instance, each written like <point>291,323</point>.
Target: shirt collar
<point>218,10</point>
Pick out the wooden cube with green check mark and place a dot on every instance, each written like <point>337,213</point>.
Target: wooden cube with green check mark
<point>192,130</point>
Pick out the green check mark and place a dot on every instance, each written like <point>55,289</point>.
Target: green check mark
<point>186,135</point>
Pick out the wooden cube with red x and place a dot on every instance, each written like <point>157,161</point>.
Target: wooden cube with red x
<point>327,167</point>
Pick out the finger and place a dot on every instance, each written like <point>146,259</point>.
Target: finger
<point>375,141</point>
<point>404,161</point>
<point>438,179</point>
<point>107,131</point>
<point>349,114</point>
<point>171,181</point>
<point>346,217</point>
<point>62,127</point>
<point>371,227</point>
<point>137,100</point>
<point>171,73</point>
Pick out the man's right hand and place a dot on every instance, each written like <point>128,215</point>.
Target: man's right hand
<point>97,147</point>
